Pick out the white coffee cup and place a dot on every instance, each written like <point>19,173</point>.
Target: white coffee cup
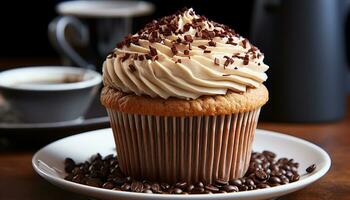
<point>42,94</point>
<point>94,27</point>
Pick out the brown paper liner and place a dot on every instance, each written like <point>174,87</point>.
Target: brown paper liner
<point>192,149</point>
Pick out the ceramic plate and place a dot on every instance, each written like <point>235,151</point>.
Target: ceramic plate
<point>49,163</point>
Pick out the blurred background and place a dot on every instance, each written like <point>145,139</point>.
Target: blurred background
<point>24,23</point>
<point>304,42</point>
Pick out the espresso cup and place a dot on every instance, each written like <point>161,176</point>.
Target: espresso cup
<point>86,31</point>
<point>46,94</point>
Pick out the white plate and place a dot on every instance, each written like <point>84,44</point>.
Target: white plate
<point>49,163</point>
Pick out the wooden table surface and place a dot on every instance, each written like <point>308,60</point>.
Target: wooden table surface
<point>19,181</point>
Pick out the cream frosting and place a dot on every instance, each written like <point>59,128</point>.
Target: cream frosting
<point>184,56</point>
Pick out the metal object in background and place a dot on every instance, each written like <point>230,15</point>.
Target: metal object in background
<point>87,31</point>
<point>304,45</point>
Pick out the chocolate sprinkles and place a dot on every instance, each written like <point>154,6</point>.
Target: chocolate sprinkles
<point>158,31</point>
<point>244,42</point>
<point>188,38</point>
<point>212,43</point>
<point>202,47</point>
<point>216,61</point>
<point>174,50</point>
<point>246,60</point>
<point>132,68</point>
<point>169,25</point>
<point>227,62</point>
<point>125,57</point>
<point>141,57</point>
<point>152,51</point>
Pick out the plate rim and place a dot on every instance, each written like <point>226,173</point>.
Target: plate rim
<point>273,190</point>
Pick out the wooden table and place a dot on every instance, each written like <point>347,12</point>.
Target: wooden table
<point>19,181</point>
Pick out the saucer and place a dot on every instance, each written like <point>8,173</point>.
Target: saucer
<point>95,118</point>
<point>49,163</point>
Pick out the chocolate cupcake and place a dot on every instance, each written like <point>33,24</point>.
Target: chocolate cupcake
<point>183,96</point>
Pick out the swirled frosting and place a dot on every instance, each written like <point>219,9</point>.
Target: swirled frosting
<point>184,56</point>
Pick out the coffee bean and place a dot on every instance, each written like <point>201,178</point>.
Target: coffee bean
<point>230,188</point>
<point>274,179</point>
<point>249,182</point>
<point>269,154</point>
<point>295,177</point>
<point>136,186</point>
<point>221,182</point>
<point>189,188</point>
<point>113,163</point>
<point>268,171</point>
<point>164,186</point>
<point>182,185</point>
<point>286,167</point>
<point>69,177</point>
<point>69,165</point>
<point>108,185</point>
<point>198,190</point>
<point>177,191</point>
<point>199,184</point>
<point>109,157</point>
<point>289,174</point>
<point>119,181</point>
<point>146,186</point>
<point>148,191</point>
<point>296,165</point>
<point>95,174</point>
<point>276,173</point>
<point>294,169</point>
<point>242,188</point>
<point>257,162</point>
<point>262,185</point>
<point>78,170</point>
<point>311,168</point>
<point>284,180</point>
<point>274,184</point>
<point>251,187</point>
<point>263,172</point>
<point>274,167</point>
<point>261,175</point>
<point>236,182</point>
<point>96,157</point>
<point>266,165</point>
<point>78,178</point>
<point>155,187</point>
<point>94,182</point>
<point>211,188</point>
<point>282,160</point>
<point>125,187</point>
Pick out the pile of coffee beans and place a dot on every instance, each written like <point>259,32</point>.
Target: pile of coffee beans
<point>264,171</point>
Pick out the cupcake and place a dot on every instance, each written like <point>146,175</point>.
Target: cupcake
<point>183,96</point>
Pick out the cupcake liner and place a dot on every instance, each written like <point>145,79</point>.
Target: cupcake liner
<point>192,149</point>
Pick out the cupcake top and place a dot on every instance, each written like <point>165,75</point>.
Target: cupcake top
<point>184,56</point>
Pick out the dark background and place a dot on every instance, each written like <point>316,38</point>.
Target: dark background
<point>24,23</point>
